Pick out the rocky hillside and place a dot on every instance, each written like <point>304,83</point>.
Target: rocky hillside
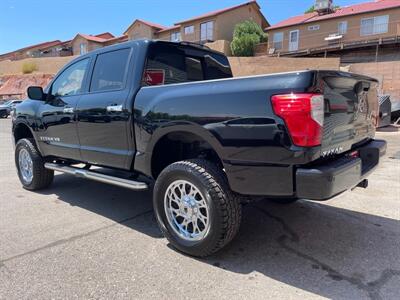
<point>14,86</point>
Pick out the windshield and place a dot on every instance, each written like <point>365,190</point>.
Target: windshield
<point>7,103</point>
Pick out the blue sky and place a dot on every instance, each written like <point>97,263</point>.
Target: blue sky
<point>27,22</point>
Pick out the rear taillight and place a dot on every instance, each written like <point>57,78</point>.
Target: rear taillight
<point>303,115</point>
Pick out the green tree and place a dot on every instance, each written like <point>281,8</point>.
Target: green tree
<point>246,36</point>
<point>311,9</point>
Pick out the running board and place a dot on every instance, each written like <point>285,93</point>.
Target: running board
<point>130,184</point>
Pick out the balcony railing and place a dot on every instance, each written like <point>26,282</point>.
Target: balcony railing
<point>325,39</point>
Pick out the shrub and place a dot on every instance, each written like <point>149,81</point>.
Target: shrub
<point>29,67</point>
<point>245,37</point>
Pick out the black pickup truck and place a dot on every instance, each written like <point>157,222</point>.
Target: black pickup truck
<point>170,116</point>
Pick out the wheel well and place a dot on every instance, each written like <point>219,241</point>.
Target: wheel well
<point>179,146</point>
<point>22,131</point>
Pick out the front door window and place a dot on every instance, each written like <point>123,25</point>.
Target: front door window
<point>70,81</point>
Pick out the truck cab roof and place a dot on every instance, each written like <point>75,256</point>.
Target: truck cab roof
<point>144,44</point>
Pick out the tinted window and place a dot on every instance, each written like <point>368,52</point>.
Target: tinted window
<point>171,63</point>
<point>110,71</point>
<point>217,66</point>
<point>168,63</point>
<point>70,81</point>
<point>194,69</point>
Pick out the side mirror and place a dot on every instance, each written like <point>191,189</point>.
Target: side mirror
<point>36,93</point>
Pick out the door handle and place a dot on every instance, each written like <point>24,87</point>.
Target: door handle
<point>68,110</point>
<point>114,107</point>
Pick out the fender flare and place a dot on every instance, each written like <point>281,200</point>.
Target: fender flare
<point>23,122</point>
<point>143,161</point>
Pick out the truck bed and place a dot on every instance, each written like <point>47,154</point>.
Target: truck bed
<point>236,117</point>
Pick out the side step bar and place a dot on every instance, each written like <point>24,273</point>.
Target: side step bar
<point>130,184</point>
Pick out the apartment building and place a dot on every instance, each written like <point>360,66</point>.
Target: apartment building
<point>83,43</point>
<point>363,32</point>
<point>51,48</point>
<point>209,27</point>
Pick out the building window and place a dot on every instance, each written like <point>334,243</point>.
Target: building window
<point>206,31</point>
<point>82,48</point>
<point>374,25</point>
<point>342,27</point>
<point>278,41</point>
<point>313,27</point>
<point>176,36</point>
<point>189,29</point>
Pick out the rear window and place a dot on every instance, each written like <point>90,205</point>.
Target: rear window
<point>110,71</point>
<point>174,63</point>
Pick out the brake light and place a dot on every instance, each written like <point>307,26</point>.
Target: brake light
<point>303,115</point>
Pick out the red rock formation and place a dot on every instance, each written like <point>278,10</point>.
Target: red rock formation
<point>14,86</point>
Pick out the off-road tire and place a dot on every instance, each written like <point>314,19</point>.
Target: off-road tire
<point>224,205</point>
<point>42,177</point>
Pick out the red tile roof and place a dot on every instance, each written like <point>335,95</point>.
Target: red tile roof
<point>341,12</point>
<point>220,11</point>
<point>92,38</point>
<point>59,44</point>
<point>122,38</point>
<point>105,35</point>
<point>39,46</point>
<point>98,38</point>
<point>66,42</point>
<point>151,24</point>
<point>169,28</point>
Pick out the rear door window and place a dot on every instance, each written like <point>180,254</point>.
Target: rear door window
<point>110,71</point>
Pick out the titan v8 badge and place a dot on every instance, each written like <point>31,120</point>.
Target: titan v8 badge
<point>50,139</point>
<point>332,151</point>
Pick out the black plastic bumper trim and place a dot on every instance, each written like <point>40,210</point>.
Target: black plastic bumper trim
<point>329,179</point>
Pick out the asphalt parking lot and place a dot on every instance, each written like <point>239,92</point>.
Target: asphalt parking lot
<point>82,239</point>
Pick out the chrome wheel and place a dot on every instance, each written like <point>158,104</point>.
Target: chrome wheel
<point>186,210</point>
<point>25,165</point>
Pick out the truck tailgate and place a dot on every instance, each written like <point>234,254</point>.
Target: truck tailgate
<point>351,110</point>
